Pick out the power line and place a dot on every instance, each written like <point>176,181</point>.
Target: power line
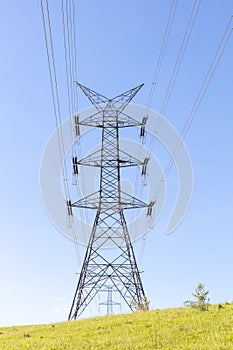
<point>67,58</point>
<point>201,93</point>
<point>182,50</point>
<point>161,54</point>
<point>159,63</point>
<point>69,38</point>
<point>54,89</point>
<point>70,50</point>
<point>57,110</point>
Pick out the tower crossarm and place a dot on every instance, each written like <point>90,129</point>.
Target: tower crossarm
<point>124,99</point>
<point>96,120</point>
<point>103,104</point>
<point>108,202</point>
<point>98,100</point>
<point>96,159</point>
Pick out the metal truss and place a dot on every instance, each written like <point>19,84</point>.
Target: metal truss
<point>118,269</point>
<point>109,303</point>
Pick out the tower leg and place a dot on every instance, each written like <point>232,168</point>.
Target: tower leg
<point>98,270</point>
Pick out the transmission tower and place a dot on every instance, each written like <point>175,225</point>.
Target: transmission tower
<point>110,302</point>
<point>98,269</point>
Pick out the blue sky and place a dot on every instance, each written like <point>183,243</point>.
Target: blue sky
<point>117,47</point>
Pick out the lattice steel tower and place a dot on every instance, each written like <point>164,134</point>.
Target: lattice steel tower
<point>110,302</point>
<point>99,267</point>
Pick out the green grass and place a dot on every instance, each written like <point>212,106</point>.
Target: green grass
<point>169,329</point>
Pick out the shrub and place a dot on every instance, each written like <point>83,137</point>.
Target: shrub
<point>201,303</point>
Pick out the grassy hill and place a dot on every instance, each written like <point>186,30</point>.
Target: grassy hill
<point>169,329</point>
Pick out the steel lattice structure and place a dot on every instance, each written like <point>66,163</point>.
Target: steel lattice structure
<point>109,303</point>
<point>98,269</point>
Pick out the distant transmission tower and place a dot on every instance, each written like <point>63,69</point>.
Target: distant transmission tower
<point>110,302</point>
<point>99,268</point>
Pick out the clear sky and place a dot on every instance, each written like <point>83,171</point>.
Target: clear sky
<point>118,43</point>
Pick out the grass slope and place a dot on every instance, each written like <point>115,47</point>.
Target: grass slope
<point>169,329</point>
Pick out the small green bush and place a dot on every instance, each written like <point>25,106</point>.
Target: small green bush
<point>201,303</point>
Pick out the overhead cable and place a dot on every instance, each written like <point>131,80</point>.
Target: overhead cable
<point>54,89</point>
<point>201,93</point>
<point>161,54</point>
